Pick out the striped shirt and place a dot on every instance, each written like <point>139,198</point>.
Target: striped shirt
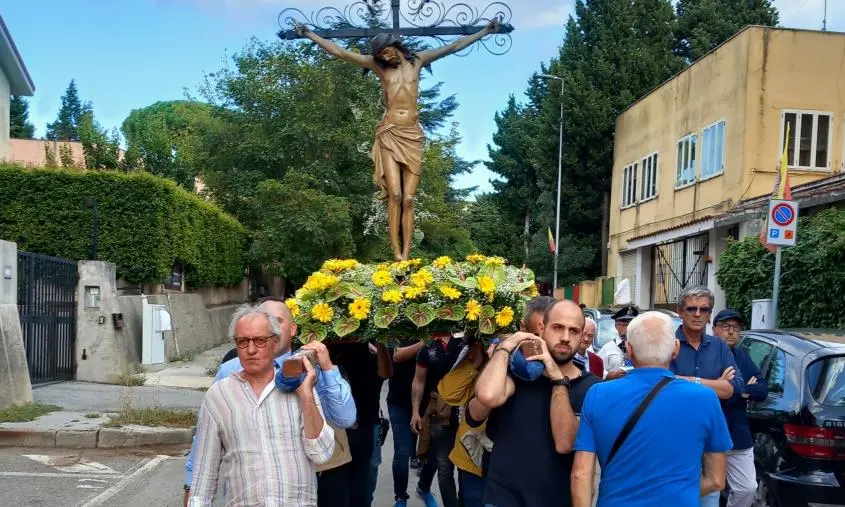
<point>257,445</point>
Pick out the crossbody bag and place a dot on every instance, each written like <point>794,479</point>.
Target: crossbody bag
<point>635,417</point>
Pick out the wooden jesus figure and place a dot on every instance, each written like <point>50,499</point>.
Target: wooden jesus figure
<point>397,150</point>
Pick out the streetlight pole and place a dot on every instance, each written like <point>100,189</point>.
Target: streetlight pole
<point>559,177</point>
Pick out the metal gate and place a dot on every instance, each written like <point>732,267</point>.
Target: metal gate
<point>678,265</point>
<point>47,307</point>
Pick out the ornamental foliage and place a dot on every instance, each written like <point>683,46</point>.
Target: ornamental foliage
<point>482,295</point>
<point>146,224</point>
<point>812,274</point>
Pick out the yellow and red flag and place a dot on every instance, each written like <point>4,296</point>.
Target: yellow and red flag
<point>551,241</point>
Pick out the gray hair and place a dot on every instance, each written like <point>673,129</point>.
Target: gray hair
<point>588,320</point>
<point>245,311</point>
<point>695,291</point>
<point>652,338</point>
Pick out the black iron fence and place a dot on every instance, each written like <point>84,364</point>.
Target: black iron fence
<point>678,265</point>
<point>47,307</point>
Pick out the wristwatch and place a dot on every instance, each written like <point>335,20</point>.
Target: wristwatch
<point>697,380</point>
<point>186,487</point>
<point>561,382</point>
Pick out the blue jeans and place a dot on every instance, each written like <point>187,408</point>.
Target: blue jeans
<point>711,500</point>
<point>372,478</point>
<point>403,448</point>
<point>472,489</point>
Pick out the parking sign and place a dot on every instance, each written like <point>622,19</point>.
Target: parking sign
<point>783,222</point>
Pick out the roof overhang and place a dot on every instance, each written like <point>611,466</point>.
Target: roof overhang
<point>670,234</point>
<point>20,82</point>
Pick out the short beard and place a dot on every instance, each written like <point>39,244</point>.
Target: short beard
<point>384,64</point>
<point>562,359</point>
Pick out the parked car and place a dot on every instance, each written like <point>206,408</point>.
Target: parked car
<point>799,429</point>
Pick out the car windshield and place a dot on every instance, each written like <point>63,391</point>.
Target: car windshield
<point>827,382</point>
<point>605,333</point>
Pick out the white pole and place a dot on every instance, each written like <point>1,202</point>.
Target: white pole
<point>776,288</point>
<point>559,177</point>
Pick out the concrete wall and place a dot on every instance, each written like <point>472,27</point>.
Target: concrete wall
<point>30,152</point>
<point>4,116</point>
<point>215,296</point>
<point>103,353</point>
<point>14,373</point>
<point>195,327</point>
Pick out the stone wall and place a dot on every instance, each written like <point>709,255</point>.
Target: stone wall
<point>14,374</point>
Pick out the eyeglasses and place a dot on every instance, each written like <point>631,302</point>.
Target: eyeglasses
<point>696,309</point>
<point>260,342</point>
<point>728,327</point>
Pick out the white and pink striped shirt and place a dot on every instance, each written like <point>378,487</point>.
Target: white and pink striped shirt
<point>257,445</point>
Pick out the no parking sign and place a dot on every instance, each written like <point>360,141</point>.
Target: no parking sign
<point>783,223</point>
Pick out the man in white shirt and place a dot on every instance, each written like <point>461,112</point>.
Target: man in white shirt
<point>616,361</point>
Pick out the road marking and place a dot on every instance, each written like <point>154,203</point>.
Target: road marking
<point>93,480</point>
<point>57,475</point>
<point>126,481</point>
<point>88,486</point>
<point>83,466</point>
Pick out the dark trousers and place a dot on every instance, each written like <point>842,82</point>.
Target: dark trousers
<point>404,446</point>
<point>438,462</point>
<point>361,446</point>
<point>472,489</point>
<point>333,487</point>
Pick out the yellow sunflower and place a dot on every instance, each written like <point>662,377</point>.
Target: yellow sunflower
<point>473,309</point>
<point>391,296</point>
<point>486,284</point>
<point>322,312</point>
<point>413,292</point>
<point>382,278</point>
<point>422,278</point>
<point>293,306</point>
<point>476,258</point>
<point>495,261</point>
<point>504,317</point>
<point>450,292</point>
<point>415,263</point>
<point>360,308</point>
<point>532,291</point>
<point>320,281</point>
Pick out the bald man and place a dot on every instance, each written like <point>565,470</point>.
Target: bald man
<point>334,392</point>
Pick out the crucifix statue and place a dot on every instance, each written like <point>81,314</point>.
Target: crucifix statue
<point>398,147</point>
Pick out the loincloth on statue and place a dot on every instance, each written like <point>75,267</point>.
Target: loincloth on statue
<point>405,144</point>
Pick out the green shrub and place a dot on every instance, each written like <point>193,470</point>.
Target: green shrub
<point>812,288</point>
<point>146,223</point>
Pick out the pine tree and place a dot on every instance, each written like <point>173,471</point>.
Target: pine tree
<point>704,24</point>
<point>19,125</point>
<point>66,126</point>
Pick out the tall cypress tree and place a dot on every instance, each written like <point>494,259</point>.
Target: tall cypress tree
<point>19,125</point>
<point>704,24</point>
<point>66,126</point>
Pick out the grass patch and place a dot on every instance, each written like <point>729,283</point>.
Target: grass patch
<point>26,412</point>
<point>132,379</point>
<point>185,356</point>
<point>211,371</point>
<point>92,416</point>
<point>153,417</point>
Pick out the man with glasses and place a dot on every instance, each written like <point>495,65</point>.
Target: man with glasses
<point>742,477</point>
<point>244,414</point>
<point>704,359</point>
<point>333,390</point>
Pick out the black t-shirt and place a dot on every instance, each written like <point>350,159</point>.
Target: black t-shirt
<point>438,360</point>
<point>360,368</point>
<point>399,385</point>
<point>524,468</point>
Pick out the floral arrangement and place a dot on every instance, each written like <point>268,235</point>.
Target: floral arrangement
<point>481,295</point>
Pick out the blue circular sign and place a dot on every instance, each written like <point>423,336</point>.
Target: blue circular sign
<point>783,214</point>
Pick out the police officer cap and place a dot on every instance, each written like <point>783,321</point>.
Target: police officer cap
<point>727,314</point>
<point>626,313</point>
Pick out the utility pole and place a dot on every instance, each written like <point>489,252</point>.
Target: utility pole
<point>824,20</point>
<point>559,177</point>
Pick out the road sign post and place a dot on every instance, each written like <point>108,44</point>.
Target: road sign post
<point>782,230</point>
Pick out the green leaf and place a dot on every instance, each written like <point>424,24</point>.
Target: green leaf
<point>454,313</point>
<point>385,316</point>
<point>420,315</point>
<point>313,331</point>
<point>487,311</point>
<point>469,283</point>
<point>355,291</point>
<point>487,320</point>
<point>336,292</point>
<point>523,286</point>
<point>344,327</point>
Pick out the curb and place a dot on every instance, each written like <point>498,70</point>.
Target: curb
<point>103,438</point>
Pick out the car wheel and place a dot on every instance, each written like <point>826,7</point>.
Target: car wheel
<point>763,497</point>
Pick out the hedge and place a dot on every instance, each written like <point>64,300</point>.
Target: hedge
<point>146,223</point>
<point>812,289</point>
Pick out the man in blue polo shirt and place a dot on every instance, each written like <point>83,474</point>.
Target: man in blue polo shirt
<point>742,476</point>
<point>704,359</point>
<point>660,461</point>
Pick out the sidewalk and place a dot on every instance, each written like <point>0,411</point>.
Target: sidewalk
<point>194,374</point>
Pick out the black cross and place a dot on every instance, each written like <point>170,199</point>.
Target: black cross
<point>397,28</point>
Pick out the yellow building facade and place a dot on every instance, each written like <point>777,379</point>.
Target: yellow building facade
<point>710,138</point>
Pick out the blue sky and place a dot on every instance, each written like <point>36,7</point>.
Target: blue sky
<point>134,53</point>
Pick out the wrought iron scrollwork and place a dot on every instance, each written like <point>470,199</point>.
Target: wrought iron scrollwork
<point>354,15</point>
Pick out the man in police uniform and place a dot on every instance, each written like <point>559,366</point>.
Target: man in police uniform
<point>616,360</point>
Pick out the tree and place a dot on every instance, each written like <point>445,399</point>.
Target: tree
<point>19,125</point>
<point>66,126</point>
<point>704,24</point>
<point>170,138</point>
<point>490,229</point>
<point>101,148</point>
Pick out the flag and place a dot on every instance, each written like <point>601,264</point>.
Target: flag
<point>782,190</point>
<point>551,241</point>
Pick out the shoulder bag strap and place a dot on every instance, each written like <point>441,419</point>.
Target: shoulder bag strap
<point>632,421</point>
